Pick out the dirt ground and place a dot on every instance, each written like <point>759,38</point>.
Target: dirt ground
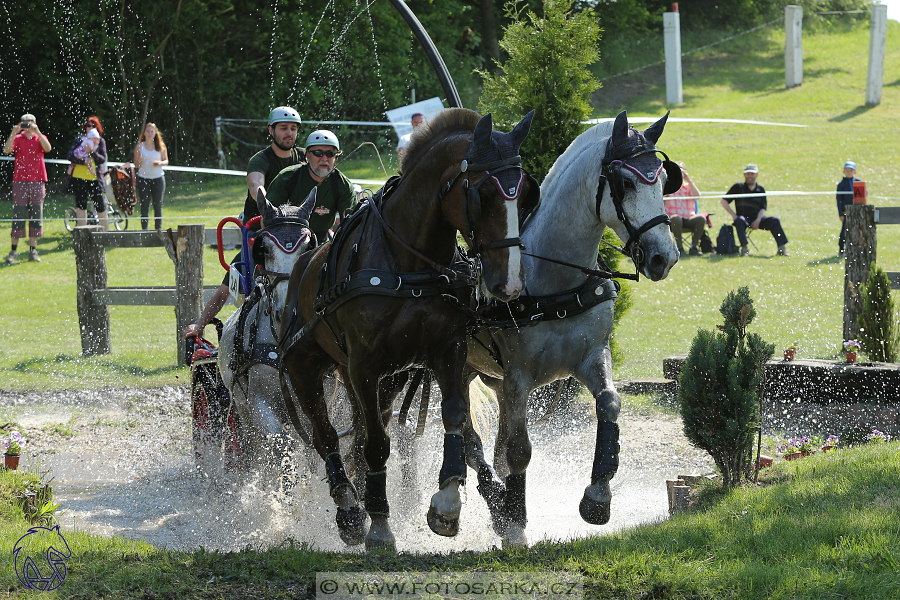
<point>121,462</point>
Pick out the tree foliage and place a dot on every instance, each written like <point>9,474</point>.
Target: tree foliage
<point>878,337</point>
<point>183,63</point>
<point>547,70</point>
<point>720,388</point>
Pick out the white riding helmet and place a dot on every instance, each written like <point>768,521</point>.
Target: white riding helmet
<point>284,114</point>
<point>322,137</point>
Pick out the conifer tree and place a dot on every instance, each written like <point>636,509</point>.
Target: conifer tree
<point>877,335</point>
<point>721,385</point>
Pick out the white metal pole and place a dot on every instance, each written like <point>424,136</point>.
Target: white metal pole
<point>672,38</point>
<point>793,45</point>
<point>877,44</point>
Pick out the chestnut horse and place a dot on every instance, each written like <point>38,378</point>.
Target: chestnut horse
<point>392,293</point>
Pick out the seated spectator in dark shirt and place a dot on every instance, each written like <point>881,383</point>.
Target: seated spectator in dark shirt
<point>751,211</point>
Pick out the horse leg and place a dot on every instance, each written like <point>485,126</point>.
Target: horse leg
<point>306,370</point>
<point>595,504</point>
<point>446,504</point>
<point>490,485</point>
<point>518,457</point>
<point>377,449</point>
<point>267,418</point>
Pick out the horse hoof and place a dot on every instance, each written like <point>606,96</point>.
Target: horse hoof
<point>515,537</point>
<point>594,512</point>
<point>441,525</point>
<point>352,525</point>
<point>380,536</point>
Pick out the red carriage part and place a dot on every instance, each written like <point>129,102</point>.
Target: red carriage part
<point>214,428</point>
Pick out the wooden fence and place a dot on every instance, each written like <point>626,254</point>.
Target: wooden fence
<point>861,245</point>
<point>188,295</point>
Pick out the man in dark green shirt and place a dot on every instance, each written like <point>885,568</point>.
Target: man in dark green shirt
<point>283,125</point>
<point>335,194</point>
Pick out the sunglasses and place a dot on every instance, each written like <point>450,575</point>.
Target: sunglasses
<point>321,153</point>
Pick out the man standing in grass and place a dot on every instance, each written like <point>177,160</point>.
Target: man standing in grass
<point>28,145</point>
<point>751,211</point>
<point>845,199</point>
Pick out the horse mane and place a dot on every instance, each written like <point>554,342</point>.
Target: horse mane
<point>447,121</point>
<point>570,158</point>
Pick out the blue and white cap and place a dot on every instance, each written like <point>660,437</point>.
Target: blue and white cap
<point>850,165</point>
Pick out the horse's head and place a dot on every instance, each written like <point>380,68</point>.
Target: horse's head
<point>284,236</point>
<point>632,202</point>
<point>493,189</point>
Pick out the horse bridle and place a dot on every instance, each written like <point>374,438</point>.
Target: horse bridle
<point>612,172</point>
<point>472,206</point>
<point>273,278</point>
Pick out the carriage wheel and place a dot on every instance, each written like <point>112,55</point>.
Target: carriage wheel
<point>69,220</point>
<point>214,430</point>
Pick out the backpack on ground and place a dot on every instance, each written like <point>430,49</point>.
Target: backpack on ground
<point>725,241</point>
<point>706,245</point>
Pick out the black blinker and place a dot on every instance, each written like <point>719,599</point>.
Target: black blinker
<point>473,205</point>
<point>673,177</point>
<point>533,198</point>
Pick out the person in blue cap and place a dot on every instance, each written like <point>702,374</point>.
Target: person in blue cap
<point>845,199</point>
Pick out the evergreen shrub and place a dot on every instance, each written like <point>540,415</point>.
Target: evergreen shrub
<point>877,333</point>
<point>720,388</point>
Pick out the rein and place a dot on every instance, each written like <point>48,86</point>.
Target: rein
<point>456,276</point>
<point>586,271</point>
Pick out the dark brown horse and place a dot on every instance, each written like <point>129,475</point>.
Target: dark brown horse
<point>389,294</point>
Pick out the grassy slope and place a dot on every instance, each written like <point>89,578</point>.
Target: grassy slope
<point>826,527</point>
<point>39,342</point>
<point>799,298</point>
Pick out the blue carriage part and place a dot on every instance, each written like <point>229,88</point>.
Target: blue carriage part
<point>241,279</point>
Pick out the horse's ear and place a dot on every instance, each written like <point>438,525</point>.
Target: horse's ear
<point>262,204</point>
<point>520,131</point>
<point>483,131</point>
<point>620,129</point>
<point>307,207</point>
<point>653,132</point>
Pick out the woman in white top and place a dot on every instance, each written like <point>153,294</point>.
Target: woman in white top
<point>149,157</point>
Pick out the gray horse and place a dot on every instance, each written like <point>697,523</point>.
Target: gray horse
<point>609,176</point>
<point>248,352</point>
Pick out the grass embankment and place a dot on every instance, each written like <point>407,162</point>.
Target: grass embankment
<point>823,527</point>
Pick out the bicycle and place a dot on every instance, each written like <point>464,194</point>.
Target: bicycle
<point>117,220</point>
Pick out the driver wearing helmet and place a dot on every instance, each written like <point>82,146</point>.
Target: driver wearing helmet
<point>335,192</point>
<point>283,124</point>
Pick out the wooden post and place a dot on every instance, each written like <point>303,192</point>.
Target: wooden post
<point>877,45</point>
<point>672,45</point>
<point>861,244</point>
<point>188,259</point>
<point>793,45</point>
<point>90,268</point>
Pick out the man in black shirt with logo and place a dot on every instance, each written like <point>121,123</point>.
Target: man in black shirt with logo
<point>751,211</point>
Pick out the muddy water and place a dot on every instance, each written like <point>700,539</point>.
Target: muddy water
<point>122,464</point>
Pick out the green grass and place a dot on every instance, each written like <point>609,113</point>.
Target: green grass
<point>822,527</point>
<point>799,298</point>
